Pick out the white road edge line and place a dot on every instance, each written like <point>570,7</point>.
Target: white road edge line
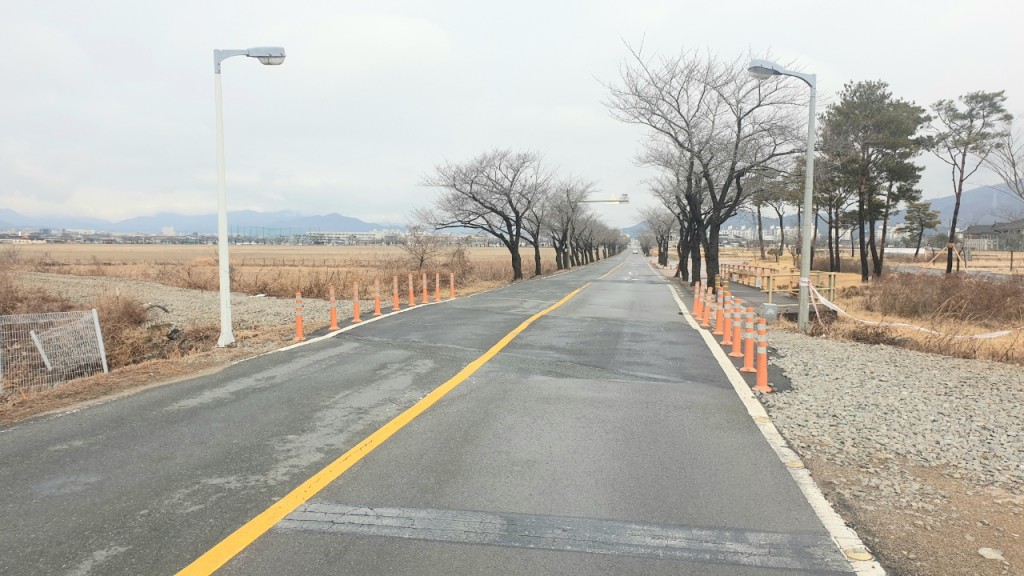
<point>846,538</point>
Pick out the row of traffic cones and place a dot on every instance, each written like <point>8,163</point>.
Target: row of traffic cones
<point>735,324</point>
<point>300,335</point>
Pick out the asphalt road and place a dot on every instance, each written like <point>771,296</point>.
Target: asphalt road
<point>602,439</point>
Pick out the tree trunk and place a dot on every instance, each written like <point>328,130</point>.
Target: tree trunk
<point>956,214</point>
<point>517,262</point>
<point>683,252</point>
<point>782,237</point>
<point>885,230</point>
<point>872,247</point>
<point>833,247</point>
<point>760,232</point>
<point>694,254</point>
<point>920,236</point>
<point>536,259</point>
<point>711,258</point>
<point>865,272</point>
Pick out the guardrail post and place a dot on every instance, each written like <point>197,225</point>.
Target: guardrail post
<point>426,295</point>
<point>437,286</point>
<point>697,300</point>
<point>396,306</point>
<point>412,292</point>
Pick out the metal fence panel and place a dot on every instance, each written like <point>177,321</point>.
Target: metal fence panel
<point>43,350</point>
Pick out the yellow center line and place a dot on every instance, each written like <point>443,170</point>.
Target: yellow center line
<point>612,271</point>
<point>241,538</point>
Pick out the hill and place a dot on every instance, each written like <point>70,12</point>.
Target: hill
<point>258,222</point>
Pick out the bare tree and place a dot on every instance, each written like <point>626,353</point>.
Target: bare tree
<point>729,124</point>
<point>660,221</point>
<point>1007,160</point>
<point>681,193</point>
<point>535,220</point>
<point>492,192</point>
<point>564,207</point>
<point>421,246</point>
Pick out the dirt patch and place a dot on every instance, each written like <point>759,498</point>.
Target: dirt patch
<point>936,536</point>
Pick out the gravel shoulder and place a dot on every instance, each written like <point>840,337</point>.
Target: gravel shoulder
<point>924,454</point>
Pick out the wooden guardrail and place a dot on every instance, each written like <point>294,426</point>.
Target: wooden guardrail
<point>773,281</point>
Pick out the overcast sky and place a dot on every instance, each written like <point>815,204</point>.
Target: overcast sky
<point>108,109</point>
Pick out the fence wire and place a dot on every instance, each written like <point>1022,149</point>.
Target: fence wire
<point>44,350</point>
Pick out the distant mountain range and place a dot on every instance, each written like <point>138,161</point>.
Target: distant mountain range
<point>984,205</point>
<point>241,222</point>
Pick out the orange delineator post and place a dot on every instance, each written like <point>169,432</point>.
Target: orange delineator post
<point>412,291</point>
<point>334,311</point>
<point>762,357</point>
<point>426,293</point>
<point>697,300</point>
<point>376,296</point>
<point>730,305</point>
<point>437,286</point>
<point>451,285</point>
<point>355,304</point>
<point>719,312</point>
<point>397,305</point>
<point>299,337</point>
<point>706,308</point>
<point>737,331</point>
<point>748,341</point>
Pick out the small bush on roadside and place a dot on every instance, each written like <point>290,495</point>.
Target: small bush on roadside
<point>952,297</point>
<point>123,320</point>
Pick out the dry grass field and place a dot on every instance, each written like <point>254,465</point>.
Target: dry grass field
<point>271,270</point>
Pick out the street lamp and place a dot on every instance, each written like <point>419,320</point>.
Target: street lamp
<point>271,56</point>
<point>763,69</point>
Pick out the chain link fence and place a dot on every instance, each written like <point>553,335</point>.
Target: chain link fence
<point>43,350</point>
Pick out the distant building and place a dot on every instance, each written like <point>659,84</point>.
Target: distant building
<point>999,236</point>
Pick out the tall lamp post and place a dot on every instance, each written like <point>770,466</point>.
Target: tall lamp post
<point>763,69</point>
<point>271,56</point>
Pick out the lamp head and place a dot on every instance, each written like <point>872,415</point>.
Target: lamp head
<point>762,69</point>
<point>269,55</point>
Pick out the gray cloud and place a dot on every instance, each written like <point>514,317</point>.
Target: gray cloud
<point>108,105</point>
